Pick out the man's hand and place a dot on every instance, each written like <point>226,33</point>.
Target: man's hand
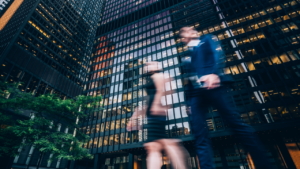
<point>211,81</point>
<point>188,110</point>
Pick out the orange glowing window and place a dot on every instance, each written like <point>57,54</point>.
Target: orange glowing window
<point>106,49</point>
<point>101,58</point>
<point>103,65</point>
<point>294,152</point>
<point>105,57</point>
<point>96,68</point>
<point>108,55</point>
<point>102,38</point>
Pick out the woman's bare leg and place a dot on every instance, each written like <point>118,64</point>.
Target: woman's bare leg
<point>177,154</point>
<point>153,155</point>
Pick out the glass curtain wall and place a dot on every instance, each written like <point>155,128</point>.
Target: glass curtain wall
<point>261,49</point>
<point>117,70</point>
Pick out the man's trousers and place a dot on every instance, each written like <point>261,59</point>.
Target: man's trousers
<point>218,99</point>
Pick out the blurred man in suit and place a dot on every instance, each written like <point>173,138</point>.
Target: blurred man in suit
<point>207,87</point>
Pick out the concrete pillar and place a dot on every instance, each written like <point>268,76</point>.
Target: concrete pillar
<point>72,165</point>
<point>96,161</point>
<point>131,160</point>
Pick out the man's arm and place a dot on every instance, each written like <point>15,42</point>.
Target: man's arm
<point>212,80</point>
<point>217,53</point>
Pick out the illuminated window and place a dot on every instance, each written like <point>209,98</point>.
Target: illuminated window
<point>105,142</point>
<point>100,142</point>
<point>111,140</point>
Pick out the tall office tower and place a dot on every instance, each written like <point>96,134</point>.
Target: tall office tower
<point>46,45</point>
<point>261,42</point>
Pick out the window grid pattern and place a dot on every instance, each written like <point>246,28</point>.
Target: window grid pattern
<point>54,44</point>
<point>117,8</point>
<point>260,42</point>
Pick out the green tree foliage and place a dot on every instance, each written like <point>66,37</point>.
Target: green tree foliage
<point>9,141</point>
<point>47,114</point>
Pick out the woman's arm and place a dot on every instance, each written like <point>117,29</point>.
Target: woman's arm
<point>159,82</point>
<point>134,117</point>
<point>138,112</point>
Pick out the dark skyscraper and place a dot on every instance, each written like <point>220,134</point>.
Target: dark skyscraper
<point>46,45</point>
<point>52,41</point>
<point>261,43</point>
<point>72,47</point>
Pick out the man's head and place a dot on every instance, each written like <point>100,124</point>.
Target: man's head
<point>187,34</point>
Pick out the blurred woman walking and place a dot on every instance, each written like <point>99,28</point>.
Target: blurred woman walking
<point>156,121</point>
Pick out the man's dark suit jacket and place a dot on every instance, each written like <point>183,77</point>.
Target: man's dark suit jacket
<point>206,58</point>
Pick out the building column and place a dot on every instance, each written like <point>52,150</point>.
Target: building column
<point>223,157</point>
<point>96,161</point>
<point>72,165</point>
<point>130,161</point>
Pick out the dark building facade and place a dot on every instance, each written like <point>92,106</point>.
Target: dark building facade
<point>46,45</point>
<point>261,42</point>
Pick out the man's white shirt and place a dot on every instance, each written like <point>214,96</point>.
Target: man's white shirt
<point>194,43</point>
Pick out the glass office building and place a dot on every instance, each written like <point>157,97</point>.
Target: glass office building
<point>46,45</point>
<point>260,40</point>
